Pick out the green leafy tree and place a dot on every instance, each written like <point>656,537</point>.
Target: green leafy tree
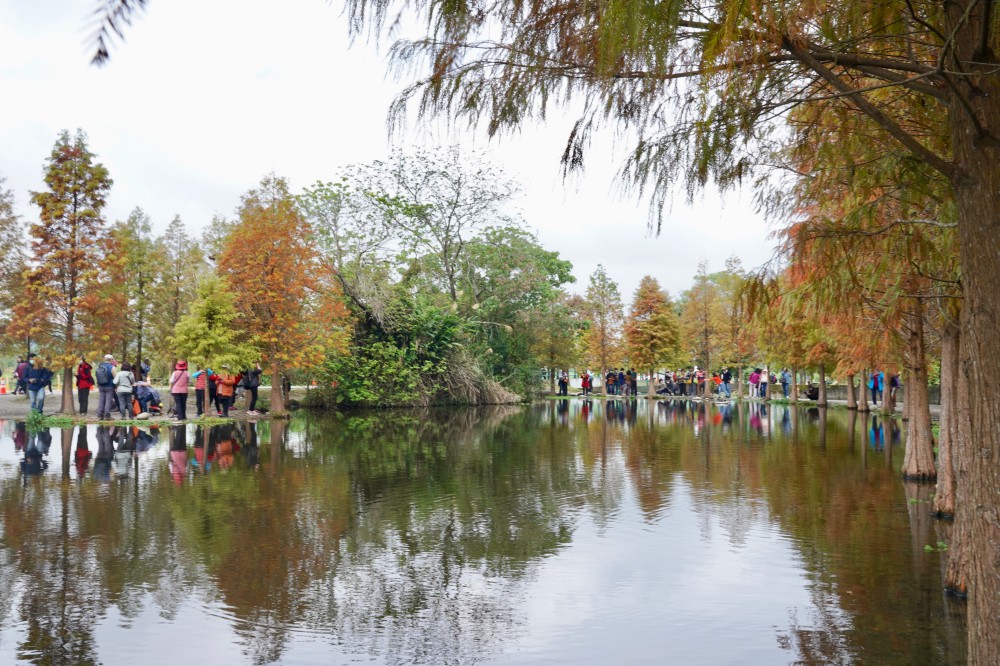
<point>605,312</point>
<point>134,239</point>
<point>208,333</point>
<point>433,202</point>
<point>215,235</point>
<point>558,326</point>
<point>509,284</point>
<point>180,272</point>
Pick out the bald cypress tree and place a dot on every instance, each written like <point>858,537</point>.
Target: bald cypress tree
<point>652,332</point>
<point>66,304</point>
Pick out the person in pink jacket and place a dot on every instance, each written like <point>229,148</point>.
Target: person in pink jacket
<point>179,380</point>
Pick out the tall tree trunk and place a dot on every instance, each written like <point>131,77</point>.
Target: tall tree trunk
<point>975,126</point>
<point>552,379</point>
<point>863,391</point>
<point>956,580</point>
<point>651,388</point>
<point>68,406</point>
<point>944,496</point>
<point>795,384</point>
<point>852,398</point>
<point>821,401</point>
<point>918,460</point>
<point>278,406</point>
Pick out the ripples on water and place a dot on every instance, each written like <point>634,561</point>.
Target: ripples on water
<point>565,532</point>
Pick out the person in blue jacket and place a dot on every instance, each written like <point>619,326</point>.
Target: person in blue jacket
<point>37,378</point>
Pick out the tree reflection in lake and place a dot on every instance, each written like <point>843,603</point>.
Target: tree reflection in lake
<point>563,530</point>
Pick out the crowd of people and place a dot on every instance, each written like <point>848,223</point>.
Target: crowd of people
<point>126,389</point>
<point>695,382</point>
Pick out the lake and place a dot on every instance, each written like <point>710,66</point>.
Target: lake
<point>564,532</point>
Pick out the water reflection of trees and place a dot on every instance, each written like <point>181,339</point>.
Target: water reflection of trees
<point>805,474</point>
<point>402,536</point>
<point>414,536</point>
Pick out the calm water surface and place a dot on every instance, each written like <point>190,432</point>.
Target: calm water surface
<point>561,533</point>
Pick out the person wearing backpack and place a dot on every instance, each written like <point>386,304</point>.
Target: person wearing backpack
<point>122,384</point>
<point>105,376</point>
<point>84,382</point>
<point>252,379</point>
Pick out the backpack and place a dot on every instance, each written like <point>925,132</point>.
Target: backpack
<point>103,376</point>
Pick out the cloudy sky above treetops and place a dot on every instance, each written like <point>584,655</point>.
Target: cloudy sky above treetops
<point>206,96</point>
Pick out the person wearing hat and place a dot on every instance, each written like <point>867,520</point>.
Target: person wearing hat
<point>179,389</point>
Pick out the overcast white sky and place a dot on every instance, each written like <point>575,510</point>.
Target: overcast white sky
<point>207,96</point>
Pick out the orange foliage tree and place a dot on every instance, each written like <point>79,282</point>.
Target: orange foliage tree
<point>652,331</point>
<point>68,304</point>
<point>285,296</point>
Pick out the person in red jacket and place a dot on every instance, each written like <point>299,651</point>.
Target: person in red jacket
<point>84,382</point>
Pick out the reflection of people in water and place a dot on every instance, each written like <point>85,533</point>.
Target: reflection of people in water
<point>144,441</point>
<point>225,445</point>
<point>83,455</point>
<point>786,421</point>
<point>894,431</point>
<point>105,451</point>
<point>123,452</point>
<point>726,409</point>
<point>33,463</point>
<point>562,409</point>
<point>875,435</point>
<point>44,441</point>
<point>204,455</point>
<point>250,449</point>
<point>585,411</point>
<point>178,453</point>
<point>20,435</point>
